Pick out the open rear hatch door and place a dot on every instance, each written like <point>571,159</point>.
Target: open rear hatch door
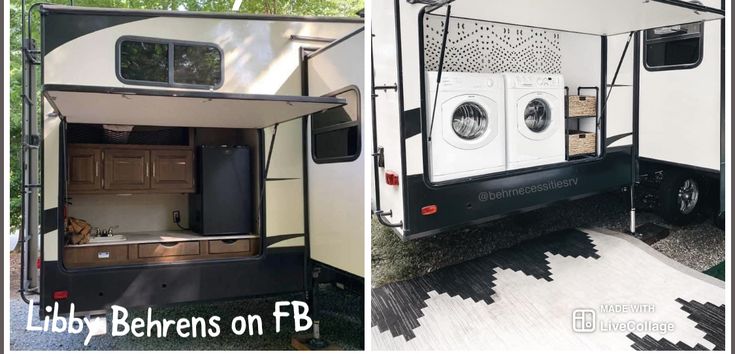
<point>135,106</point>
<point>596,17</point>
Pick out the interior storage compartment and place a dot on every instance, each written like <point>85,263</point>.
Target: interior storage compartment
<point>141,249</point>
<point>79,133</point>
<point>229,246</point>
<point>97,256</point>
<point>142,194</point>
<point>166,249</point>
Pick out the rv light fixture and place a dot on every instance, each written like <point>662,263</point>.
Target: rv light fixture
<point>60,295</point>
<point>391,178</point>
<point>429,210</point>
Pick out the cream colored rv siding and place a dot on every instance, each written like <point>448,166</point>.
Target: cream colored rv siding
<point>260,57</point>
<point>51,179</point>
<point>337,208</point>
<point>680,109</point>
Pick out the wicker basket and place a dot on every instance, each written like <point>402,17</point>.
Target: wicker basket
<point>581,106</point>
<point>582,142</point>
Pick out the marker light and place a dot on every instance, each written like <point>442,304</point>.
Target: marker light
<point>429,210</point>
<point>60,295</point>
<point>391,178</point>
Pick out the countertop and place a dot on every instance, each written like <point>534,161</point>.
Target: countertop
<point>161,236</point>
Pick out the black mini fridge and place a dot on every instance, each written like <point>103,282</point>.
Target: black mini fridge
<point>223,202</point>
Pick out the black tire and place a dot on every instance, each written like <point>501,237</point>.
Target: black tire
<point>677,203</point>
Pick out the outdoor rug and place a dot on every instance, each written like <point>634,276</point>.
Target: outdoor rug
<point>586,289</point>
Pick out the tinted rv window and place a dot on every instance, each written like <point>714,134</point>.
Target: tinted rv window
<point>144,61</point>
<point>197,65</point>
<point>673,47</point>
<point>335,133</point>
<point>162,62</point>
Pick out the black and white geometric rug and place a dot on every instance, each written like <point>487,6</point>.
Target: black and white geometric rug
<point>587,289</point>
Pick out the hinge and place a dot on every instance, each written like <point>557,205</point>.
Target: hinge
<point>393,87</point>
<point>379,156</point>
<point>33,141</point>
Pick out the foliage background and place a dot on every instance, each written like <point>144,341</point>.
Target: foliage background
<point>273,7</point>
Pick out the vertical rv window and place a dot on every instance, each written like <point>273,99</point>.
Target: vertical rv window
<point>335,133</point>
<point>197,65</point>
<point>673,47</point>
<point>144,61</point>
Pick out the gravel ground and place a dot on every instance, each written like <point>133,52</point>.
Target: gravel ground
<point>339,316</point>
<point>698,246</point>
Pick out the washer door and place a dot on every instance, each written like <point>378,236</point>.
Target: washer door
<point>538,115</point>
<point>469,121</point>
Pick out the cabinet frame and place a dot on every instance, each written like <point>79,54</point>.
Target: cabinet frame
<point>151,151</point>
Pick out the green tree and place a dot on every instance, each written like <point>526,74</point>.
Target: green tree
<point>273,7</point>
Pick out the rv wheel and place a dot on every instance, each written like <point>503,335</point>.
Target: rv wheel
<point>680,197</point>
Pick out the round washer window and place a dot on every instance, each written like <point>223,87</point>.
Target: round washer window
<point>469,120</point>
<point>537,115</point>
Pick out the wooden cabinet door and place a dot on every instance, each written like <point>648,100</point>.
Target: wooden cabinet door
<point>127,169</point>
<point>83,166</point>
<point>172,170</point>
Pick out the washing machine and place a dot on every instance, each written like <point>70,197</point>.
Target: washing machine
<point>534,120</point>
<point>467,136</point>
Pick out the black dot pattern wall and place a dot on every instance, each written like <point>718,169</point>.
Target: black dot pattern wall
<point>488,47</point>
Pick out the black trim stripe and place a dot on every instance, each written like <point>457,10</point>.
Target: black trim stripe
<point>412,122</point>
<point>272,240</point>
<point>50,220</point>
<point>65,27</point>
<point>79,10</point>
<point>615,138</point>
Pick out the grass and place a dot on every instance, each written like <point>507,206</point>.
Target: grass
<point>717,271</point>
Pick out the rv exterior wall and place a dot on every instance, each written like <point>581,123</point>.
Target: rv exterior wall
<point>620,103</point>
<point>680,109</point>
<point>259,56</point>
<point>336,197</point>
<point>51,175</point>
<point>387,107</point>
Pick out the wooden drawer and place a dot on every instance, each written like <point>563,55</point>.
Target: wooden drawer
<point>95,255</point>
<point>229,246</point>
<point>168,249</point>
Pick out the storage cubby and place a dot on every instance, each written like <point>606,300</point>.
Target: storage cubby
<point>582,123</point>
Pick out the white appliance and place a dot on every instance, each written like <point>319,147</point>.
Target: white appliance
<point>467,137</point>
<point>535,119</point>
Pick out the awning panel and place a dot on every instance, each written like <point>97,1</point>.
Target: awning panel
<point>597,17</point>
<point>107,105</point>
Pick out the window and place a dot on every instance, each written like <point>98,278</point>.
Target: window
<point>197,65</point>
<point>169,63</point>
<point>144,61</point>
<point>673,47</point>
<point>335,133</point>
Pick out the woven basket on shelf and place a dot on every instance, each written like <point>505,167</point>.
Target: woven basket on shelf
<point>581,106</point>
<point>581,142</point>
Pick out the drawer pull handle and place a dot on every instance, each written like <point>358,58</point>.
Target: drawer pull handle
<point>229,242</point>
<point>103,255</point>
<point>169,244</point>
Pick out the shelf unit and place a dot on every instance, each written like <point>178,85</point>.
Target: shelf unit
<point>573,125</point>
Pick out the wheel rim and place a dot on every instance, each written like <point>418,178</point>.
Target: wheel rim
<point>688,196</point>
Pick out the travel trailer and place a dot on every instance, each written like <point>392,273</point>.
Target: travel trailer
<point>188,156</point>
<point>487,108</point>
